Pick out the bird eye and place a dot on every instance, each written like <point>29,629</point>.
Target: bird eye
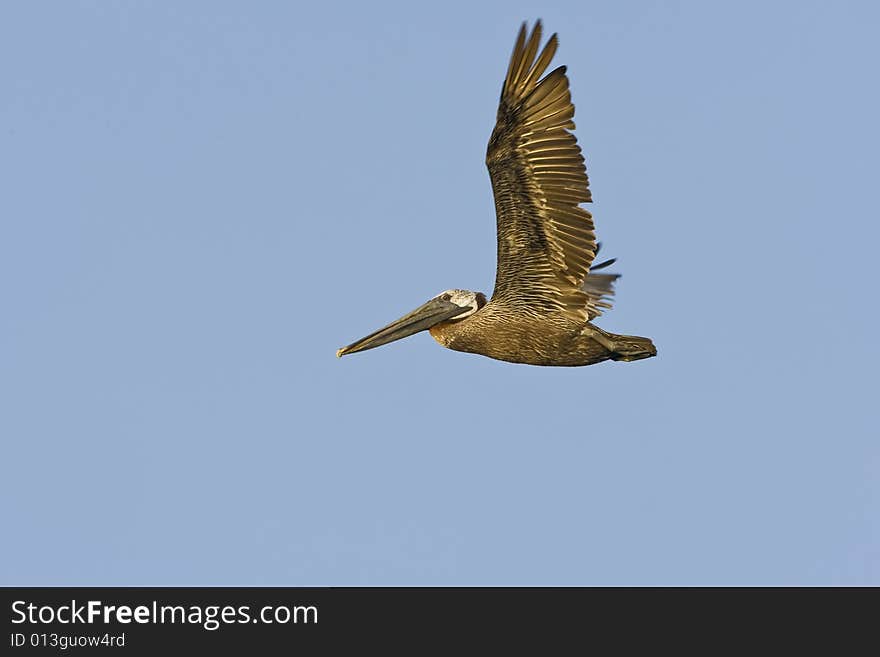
<point>445,296</point>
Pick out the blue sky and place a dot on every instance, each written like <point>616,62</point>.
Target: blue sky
<point>203,201</point>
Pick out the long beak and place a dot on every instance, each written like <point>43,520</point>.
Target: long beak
<point>420,319</point>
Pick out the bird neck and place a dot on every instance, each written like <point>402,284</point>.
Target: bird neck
<point>446,332</point>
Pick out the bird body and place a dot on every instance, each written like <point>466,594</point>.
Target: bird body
<point>553,339</point>
<point>547,289</point>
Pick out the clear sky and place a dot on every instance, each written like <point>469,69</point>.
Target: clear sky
<point>202,201</point>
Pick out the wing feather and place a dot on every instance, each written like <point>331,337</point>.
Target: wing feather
<point>546,241</point>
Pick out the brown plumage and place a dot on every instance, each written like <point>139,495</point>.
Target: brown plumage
<point>546,293</point>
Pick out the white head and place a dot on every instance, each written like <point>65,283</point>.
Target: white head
<point>471,302</point>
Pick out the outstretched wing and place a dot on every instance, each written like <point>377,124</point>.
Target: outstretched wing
<point>546,242</point>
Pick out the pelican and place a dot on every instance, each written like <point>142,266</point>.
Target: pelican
<point>547,290</point>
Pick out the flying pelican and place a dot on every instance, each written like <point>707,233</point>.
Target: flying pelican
<point>546,290</point>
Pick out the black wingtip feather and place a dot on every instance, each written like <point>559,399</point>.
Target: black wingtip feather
<point>604,264</point>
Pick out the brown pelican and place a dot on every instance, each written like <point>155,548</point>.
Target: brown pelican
<point>547,291</point>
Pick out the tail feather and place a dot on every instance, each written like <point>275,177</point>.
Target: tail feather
<point>632,347</point>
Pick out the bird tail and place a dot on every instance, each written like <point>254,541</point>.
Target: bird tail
<point>632,347</point>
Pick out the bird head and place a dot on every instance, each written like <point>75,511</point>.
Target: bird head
<point>448,306</point>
